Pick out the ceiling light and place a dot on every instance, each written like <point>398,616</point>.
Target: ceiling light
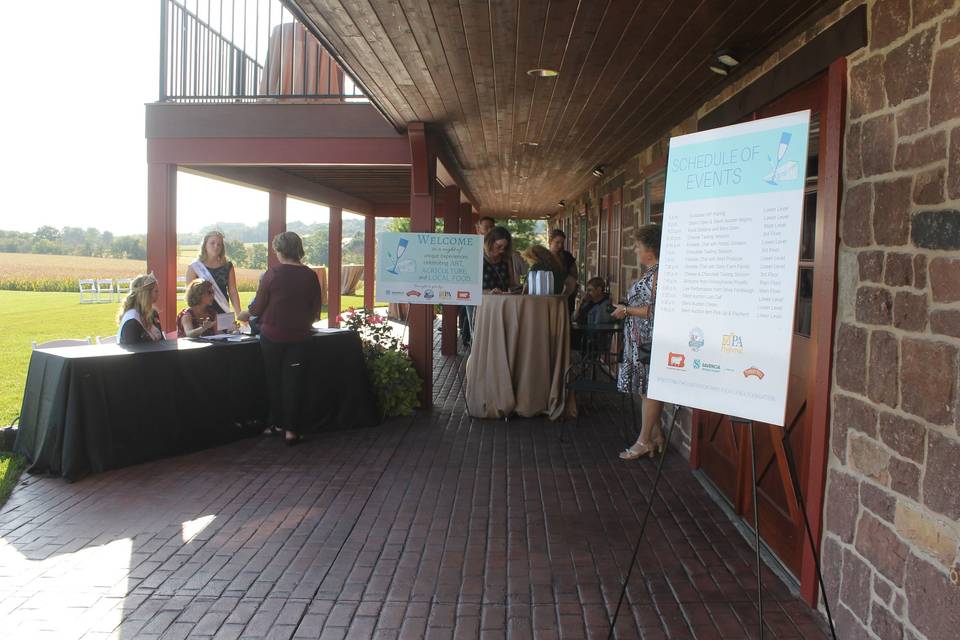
<point>530,144</point>
<point>543,73</point>
<point>727,58</point>
<point>515,210</point>
<point>598,170</point>
<point>718,69</point>
<point>562,203</point>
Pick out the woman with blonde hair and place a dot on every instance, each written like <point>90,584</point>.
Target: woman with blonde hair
<point>212,265</point>
<point>542,259</point>
<point>198,319</point>
<point>138,320</point>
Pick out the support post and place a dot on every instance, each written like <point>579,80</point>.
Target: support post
<point>466,218</point>
<point>276,223</point>
<point>369,260</point>
<point>422,179</point>
<point>162,237</point>
<point>334,259</point>
<point>450,203</point>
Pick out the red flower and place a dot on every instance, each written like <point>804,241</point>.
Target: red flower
<point>339,318</point>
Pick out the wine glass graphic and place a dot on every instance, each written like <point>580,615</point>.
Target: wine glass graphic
<point>781,151</point>
<point>401,249</point>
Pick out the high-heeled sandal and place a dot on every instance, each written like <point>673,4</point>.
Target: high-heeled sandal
<point>659,445</point>
<point>632,454</point>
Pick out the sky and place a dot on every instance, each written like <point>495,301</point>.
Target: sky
<point>76,78</point>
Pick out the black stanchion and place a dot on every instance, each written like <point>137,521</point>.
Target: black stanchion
<point>643,523</point>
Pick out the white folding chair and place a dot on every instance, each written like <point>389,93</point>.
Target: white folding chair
<point>105,290</point>
<point>181,285</point>
<point>123,287</point>
<point>107,339</point>
<point>66,342</point>
<point>88,290</point>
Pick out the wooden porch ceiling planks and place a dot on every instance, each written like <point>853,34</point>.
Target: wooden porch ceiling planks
<point>628,71</point>
<point>377,185</point>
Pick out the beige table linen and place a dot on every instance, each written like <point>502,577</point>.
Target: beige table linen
<point>350,275</point>
<point>521,350</point>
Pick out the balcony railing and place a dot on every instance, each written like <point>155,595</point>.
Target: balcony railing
<point>244,51</point>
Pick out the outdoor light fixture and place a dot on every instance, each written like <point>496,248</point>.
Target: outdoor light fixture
<point>562,203</point>
<point>598,170</point>
<point>530,144</point>
<point>543,73</point>
<point>723,61</point>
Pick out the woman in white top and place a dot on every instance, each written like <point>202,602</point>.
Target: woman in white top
<point>138,320</point>
<point>212,265</point>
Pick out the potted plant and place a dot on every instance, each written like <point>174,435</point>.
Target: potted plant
<point>388,362</point>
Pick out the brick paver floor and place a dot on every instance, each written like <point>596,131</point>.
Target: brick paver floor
<point>439,526</point>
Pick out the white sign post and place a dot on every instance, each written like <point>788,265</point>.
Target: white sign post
<point>726,288</point>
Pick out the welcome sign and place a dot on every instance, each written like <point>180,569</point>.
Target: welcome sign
<point>430,268</point>
<point>723,327</point>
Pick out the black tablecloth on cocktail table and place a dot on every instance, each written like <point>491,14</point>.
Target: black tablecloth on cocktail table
<point>89,409</point>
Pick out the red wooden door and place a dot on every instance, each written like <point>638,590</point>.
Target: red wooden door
<point>720,450</point>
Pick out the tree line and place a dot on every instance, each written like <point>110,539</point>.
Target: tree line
<point>74,241</point>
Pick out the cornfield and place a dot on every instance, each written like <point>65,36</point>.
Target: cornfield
<point>40,272</point>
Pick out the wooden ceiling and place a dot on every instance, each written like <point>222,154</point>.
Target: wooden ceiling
<point>377,185</point>
<point>628,70</point>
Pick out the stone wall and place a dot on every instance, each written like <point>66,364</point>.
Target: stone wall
<point>893,493</point>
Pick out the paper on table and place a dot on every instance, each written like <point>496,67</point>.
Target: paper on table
<point>225,321</point>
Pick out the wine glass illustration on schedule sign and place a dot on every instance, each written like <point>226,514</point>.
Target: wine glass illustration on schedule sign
<point>399,264</point>
<point>782,170</point>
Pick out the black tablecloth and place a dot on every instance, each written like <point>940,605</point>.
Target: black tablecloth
<point>88,409</point>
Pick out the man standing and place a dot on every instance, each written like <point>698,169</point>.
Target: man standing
<point>484,226</point>
<point>558,241</point>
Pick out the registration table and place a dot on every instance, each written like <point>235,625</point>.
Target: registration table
<point>92,408</point>
<point>521,350</point>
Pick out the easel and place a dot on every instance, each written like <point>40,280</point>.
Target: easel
<point>746,426</point>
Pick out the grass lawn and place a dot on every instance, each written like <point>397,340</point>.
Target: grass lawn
<point>28,316</point>
<point>11,466</point>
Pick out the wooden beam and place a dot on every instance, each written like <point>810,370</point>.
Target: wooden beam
<point>162,238</point>
<point>422,181</point>
<point>334,261</point>
<point>450,206</point>
<point>272,179</point>
<point>466,218</point>
<point>369,261</point>
<point>276,223</point>
<point>279,151</point>
<point>392,211</point>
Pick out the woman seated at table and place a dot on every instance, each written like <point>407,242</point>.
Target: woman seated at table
<point>199,318</point>
<point>498,273</point>
<point>138,320</point>
<point>212,265</point>
<point>287,304</point>
<point>541,259</point>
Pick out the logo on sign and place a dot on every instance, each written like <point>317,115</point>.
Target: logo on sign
<point>696,339</point>
<point>706,366</point>
<point>732,343</point>
<point>463,295</point>
<point>444,294</point>
<point>753,371</point>
<point>676,360</point>
<point>413,293</point>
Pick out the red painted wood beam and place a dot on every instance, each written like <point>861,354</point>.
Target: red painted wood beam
<point>334,260</point>
<point>466,218</point>
<point>391,211</point>
<point>369,261</point>
<point>162,238</point>
<point>450,207</point>
<point>279,151</point>
<point>276,223</point>
<point>422,181</point>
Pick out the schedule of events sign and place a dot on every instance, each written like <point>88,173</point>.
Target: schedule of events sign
<point>430,268</point>
<point>723,325</point>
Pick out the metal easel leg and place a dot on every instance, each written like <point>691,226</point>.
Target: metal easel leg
<point>756,522</point>
<point>643,524</point>
<point>792,467</point>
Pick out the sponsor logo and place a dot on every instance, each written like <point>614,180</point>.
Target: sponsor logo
<point>463,295</point>
<point>731,343</point>
<point>706,366</point>
<point>696,339</point>
<point>444,294</point>
<point>676,360</point>
<point>413,293</point>
<point>428,294</point>
<point>753,371</point>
